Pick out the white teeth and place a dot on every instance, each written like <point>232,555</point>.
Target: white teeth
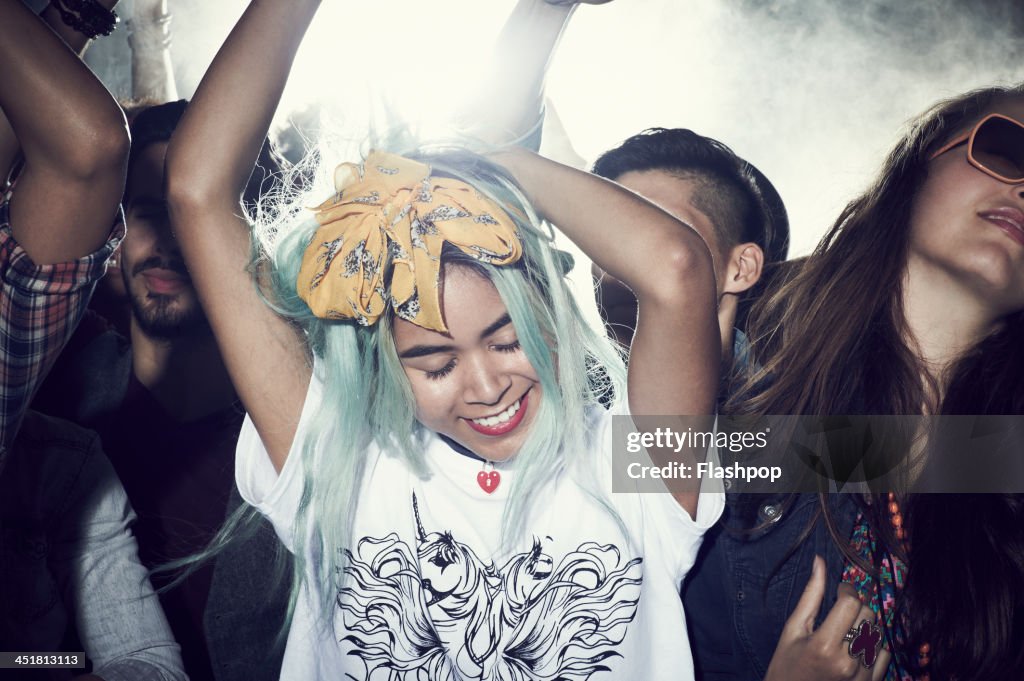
<point>503,417</point>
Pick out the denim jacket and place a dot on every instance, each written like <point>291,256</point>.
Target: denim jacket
<point>745,585</point>
<point>68,559</point>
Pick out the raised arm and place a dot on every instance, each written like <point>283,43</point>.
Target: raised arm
<point>72,135</point>
<point>511,102</point>
<point>78,42</point>
<point>149,37</point>
<point>209,161</point>
<point>666,264</point>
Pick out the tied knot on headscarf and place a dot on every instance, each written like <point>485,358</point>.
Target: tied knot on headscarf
<point>391,209</point>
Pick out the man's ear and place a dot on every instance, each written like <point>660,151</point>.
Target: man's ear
<point>743,268</point>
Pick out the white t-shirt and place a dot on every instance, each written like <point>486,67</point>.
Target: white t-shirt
<point>427,598</point>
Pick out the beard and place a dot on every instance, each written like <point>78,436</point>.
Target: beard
<point>167,317</point>
<point>163,316</point>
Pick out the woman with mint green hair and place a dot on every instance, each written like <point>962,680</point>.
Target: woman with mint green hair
<point>424,428</point>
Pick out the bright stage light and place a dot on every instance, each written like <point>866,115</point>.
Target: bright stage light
<point>814,103</point>
<point>395,60</point>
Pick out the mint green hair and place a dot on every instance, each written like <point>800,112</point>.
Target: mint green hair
<point>367,397</point>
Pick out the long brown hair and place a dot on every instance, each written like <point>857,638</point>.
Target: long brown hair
<point>832,340</point>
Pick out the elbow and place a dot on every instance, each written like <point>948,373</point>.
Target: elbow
<point>683,272</point>
<point>184,190</point>
<point>188,187</point>
<point>159,663</point>
<point>99,151</point>
<point>181,194</point>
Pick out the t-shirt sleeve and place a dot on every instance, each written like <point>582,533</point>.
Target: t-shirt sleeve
<point>276,495</point>
<point>667,524</point>
<point>668,531</point>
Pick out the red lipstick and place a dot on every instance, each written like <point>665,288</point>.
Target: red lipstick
<point>507,426</point>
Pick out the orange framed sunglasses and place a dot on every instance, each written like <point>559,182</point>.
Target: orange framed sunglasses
<point>995,146</point>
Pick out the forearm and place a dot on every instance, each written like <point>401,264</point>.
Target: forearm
<point>61,114</point>
<point>218,140</point>
<point>650,251</point>
<point>512,98</point>
<point>118,617</point>
<point>149,38</point>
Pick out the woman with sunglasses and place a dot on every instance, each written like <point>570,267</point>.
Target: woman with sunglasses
<point>422,426</point>
<point>913,304</point>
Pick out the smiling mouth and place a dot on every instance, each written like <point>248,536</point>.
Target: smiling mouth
<point>502,422</point>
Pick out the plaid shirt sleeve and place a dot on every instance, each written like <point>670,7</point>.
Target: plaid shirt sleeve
<point>40,306</point>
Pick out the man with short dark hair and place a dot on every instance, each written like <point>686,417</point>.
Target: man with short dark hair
<point>743,220</point>
<point>726,199</point>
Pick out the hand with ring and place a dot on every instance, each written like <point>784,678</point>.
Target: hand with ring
<point>846,647</point>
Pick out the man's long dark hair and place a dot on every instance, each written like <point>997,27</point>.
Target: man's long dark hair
<point>831,340</point>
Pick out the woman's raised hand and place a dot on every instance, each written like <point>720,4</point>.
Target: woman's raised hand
<point>808,654</point>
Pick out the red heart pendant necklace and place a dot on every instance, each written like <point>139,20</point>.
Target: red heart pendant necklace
<point>488,478</point>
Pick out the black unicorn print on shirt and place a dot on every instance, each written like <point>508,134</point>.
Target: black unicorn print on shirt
<point>444,614</point>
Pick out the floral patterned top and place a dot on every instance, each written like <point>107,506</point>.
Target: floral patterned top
<point>880,595</point>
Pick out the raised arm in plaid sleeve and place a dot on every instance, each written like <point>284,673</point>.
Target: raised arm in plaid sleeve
<point>55,230</point>
<point>40,306</point>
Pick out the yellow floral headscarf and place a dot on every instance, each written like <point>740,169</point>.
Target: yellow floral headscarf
<point>392,205</point>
